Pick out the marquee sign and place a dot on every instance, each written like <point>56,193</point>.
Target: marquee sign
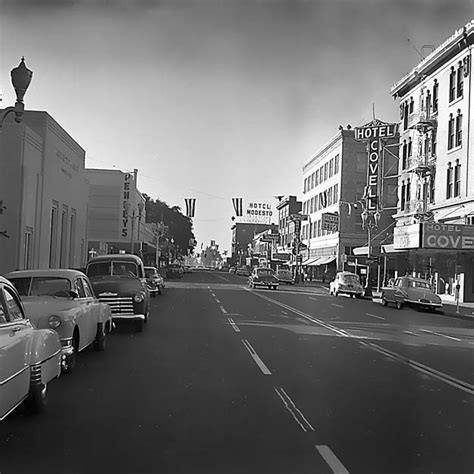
<point>256,213</point>
<point>330,221</point>
<point>448,236</point>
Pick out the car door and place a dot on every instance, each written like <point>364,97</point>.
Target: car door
<point>15,332</point>
<point>84,313</point>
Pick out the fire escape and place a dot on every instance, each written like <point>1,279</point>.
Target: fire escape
<point>423,160</point>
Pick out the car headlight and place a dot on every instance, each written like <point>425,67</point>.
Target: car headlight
<point>139,297</point>
<point>54,321</point>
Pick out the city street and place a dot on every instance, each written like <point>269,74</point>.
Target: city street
<point>225,379</point>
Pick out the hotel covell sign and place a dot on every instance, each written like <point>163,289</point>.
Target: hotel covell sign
<point>373,132</point>
<point>447,236</point>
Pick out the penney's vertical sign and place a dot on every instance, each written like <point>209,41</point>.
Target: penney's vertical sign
<point>373,132</point>
<point>125,199</point>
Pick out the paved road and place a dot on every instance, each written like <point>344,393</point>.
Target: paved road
<point>230,380</point>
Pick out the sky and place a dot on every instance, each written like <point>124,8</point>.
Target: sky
<point>215,99</point>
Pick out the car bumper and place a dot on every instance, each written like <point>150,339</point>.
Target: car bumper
<point>128,316</point>
<point>427,304</point>
<point>67,348</point>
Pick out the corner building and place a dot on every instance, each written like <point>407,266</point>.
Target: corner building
<point>435,217</point>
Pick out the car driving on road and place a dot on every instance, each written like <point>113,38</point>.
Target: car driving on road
<point>262,276</point>
<point>347,283</point>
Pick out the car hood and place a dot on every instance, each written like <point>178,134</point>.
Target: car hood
<point>120,285</point>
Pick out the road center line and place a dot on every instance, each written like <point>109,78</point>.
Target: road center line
<point>305,425</point>
<point>443,377</point>
<point>234,326</point>
<point>314,299</point>
<point>334,463</point>
<point>256,358</point>
<point>412,333</point>
<point>441,335</point>
<point>374,316</point>
<point>223,309</point>
<point>217,301</point>
<point>338,305</point>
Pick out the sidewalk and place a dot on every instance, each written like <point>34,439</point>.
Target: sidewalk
<point>466,310</point>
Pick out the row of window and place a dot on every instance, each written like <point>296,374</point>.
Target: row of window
<point>322,200</point>
<point>453,180</point>
<point>62,227</point>
<point>455,130</point>
<point>314,229</point>
<point>325,172</point>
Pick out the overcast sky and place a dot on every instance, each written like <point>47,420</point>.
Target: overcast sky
<point>216,99</point>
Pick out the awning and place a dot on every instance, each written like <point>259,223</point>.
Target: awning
<point>308,261</point>
<point>325,260</point>
<point>389,248</point>
<point>361,251</point>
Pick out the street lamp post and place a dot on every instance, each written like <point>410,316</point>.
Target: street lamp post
<point>370,221</point>
<point>21,78</point>
<point>135,216</point>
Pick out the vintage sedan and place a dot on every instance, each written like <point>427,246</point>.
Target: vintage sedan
<point>119,280</point>
<point>30,358</point>
<point>347,283</point>
<point>63,300</point>
<point>263,276</point>
<point>411,291</point>
<point>285,276</point>
<point>154,280</point>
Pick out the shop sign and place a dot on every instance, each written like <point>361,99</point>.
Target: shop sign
<point>125,199</point>
<point>373,175</point>
<point>407,237</point>
<point>448,236</point>
<point>257,213</point>
<point>384,130</point>
<point>330,221</point>
<point>283,257</point>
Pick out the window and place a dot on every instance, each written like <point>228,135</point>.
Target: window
<point>329,196</point>
<point>305,182</point>
<point>412,105</point>
<point>433,143</point>
<point>325,171</point>
<point>459,128</point>
<point>451,132</point>
<point>432,189</point>
<point>457,179</point>
<point>53,238</point>
<point>336,164</point>
<point>336,193</point>
<point>63,239</point>
<point>428,103</point>
<point>331,167</point>
<point>28,248</point>
<point>452,85</point>
<point>449,182</point>
<point>405,116</point>
<point>79,288</point>
<point>410,147</point>
<point>459,82</point>
<point>435,96</point>
<point>404,155</point>
<point>317,177</point>
<point>13,306</point>
<point>408,191</point>
<point>87,289</point>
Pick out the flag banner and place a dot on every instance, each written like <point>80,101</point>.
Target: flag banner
<point>238,207</point>
<point>190,206</point>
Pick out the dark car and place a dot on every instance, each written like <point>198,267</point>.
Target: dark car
<point>154,280</point>
<point>262,276</point>
<point>175,270</point>
<point>120,281</point>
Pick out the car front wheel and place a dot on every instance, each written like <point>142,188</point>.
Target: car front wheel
<point>37,398</point>
<point>101,338</point>
<point>384,301</point>
<point>399,305</point>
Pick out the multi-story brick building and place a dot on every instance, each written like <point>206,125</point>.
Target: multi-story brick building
<point>435,218</point>
<point>334,182</point>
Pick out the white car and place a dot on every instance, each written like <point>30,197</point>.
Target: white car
<point>347,283</point>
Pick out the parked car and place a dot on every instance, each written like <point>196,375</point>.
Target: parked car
<point>175,270</point>
<point>154,280</point>
<point>347,283</point>
<point>285,276</point>
<point>30,357</point>
<point>243,271</point>
<point>413,291</point>
<point>119,280</point>
<point>63,300</point>
<point>232,270</point>
<point>262,276</point>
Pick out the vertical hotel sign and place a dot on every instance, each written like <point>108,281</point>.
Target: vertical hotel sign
<point>125,200</point>
<point>373,132</point>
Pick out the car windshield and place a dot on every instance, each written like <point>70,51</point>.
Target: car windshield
<point>350,279</point>
<point>150,272</point>
<point>42,286</point>
<point>114,268</point>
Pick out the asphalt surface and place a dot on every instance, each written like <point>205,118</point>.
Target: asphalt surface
<point>225,379</point>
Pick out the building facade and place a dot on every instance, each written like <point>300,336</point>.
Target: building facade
<point>43,195</point>
<point>334,188</point>
<point>435,218</point>
<point>242,236</point>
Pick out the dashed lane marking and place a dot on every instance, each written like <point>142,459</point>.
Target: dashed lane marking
<point>374,316</point>
<point>411,333</point>
<point>223,309</point>
<point>314,299</point>
<point>234,326</point>
<point>334,463</point>
<point>338,305</point>
<point>217,301</point>
<point>441,335</point>
<point>256,358</point>
<point>295,412</point>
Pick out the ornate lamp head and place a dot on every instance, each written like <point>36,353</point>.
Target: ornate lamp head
<point>21,78</point>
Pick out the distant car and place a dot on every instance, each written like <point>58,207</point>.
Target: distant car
<point>154,280</point>
<point>63,300</point>
<point>30,358</point>
<point>243,271</point>
<point>262,276</point>
<point>119,280</point>
<point>232,270</point>
<point>285,276</point>
<point>412,291</point>
<point>347,283</point>
<point>175,270</point>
